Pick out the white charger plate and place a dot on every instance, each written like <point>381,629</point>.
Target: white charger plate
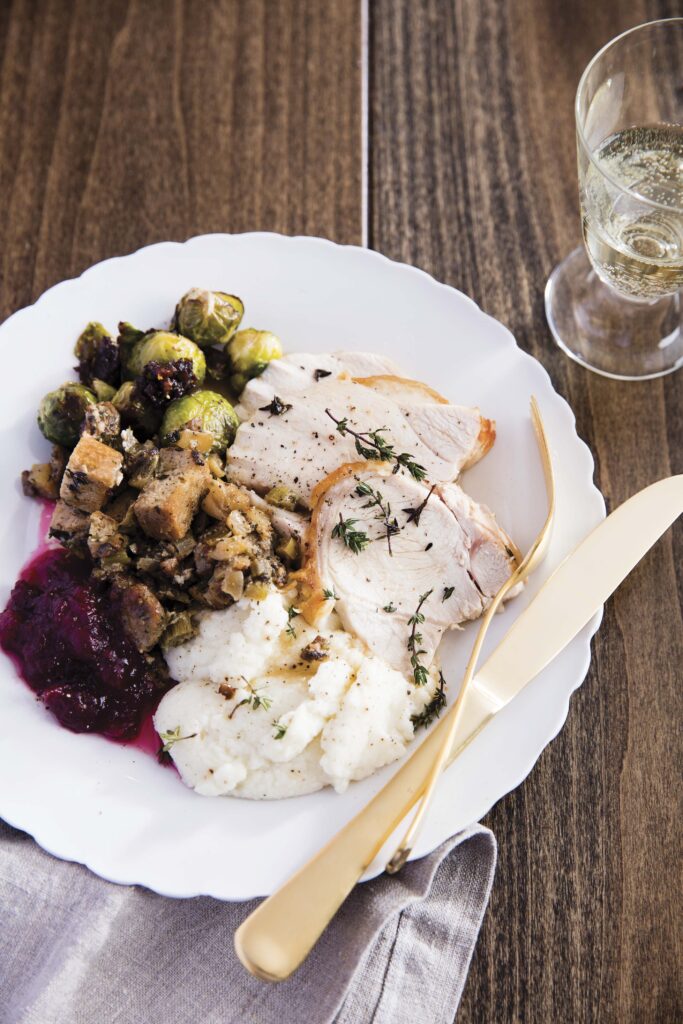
<point>114,808</point>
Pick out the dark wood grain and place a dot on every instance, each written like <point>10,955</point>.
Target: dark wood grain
<point>473,173</point>
<point>124,123</point>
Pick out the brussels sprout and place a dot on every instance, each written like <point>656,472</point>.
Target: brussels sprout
<point>165,347</point>
<point>61,413</point>
<point>250,352</point>
<point>208,318</point>
<point>105,392</point>
<point>205,412</point>
<point>128,338</point>
<point>135,411</point>
<point>98,355</point>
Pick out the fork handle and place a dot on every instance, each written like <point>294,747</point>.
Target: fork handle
<point>277,937</point>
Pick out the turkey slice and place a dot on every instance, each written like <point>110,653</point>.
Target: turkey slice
<point>301,370</point>
<point>445,546</point>
<point>301,445</point>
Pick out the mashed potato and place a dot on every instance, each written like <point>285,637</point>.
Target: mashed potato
<point>257,719</point>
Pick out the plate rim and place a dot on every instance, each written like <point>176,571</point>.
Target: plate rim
<point>59,849</point>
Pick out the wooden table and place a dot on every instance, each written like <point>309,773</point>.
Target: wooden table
<point>440,133</point>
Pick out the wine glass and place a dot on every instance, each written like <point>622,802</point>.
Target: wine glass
<point>615,303</point>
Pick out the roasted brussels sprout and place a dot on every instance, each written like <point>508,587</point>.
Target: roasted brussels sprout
<point>204,411</point>
<point>135,411</point>
<point>105,392</point>
<point>61,413</point>
<point>249,352</point>
<point>165,347</point>
<point>208,318</point>
<point>98,355</point>
<point>127,339</point>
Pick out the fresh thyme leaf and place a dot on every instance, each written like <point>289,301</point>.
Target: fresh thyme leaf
<point>406,461</point>
<point>169,739</point>
<point>292,613</point>
<point>365,452</point>
<point>433,709</point>
<point>330,595</point>
<point>447,592</point>
<point>355,540</point>
<point>255,700</point>
<point>391,607</point>
<point>280,729</point>
<point>415,513</point>
<point>276,407</point>
<point>420,673</point>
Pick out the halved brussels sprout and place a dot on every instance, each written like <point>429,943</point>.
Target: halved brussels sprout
<point>249,352</point>
<point>208,318</point>
<point>134,410</point>
<point>204,411</point>
<point>98,355</point>
<point>61,413</point>
<point>165,347</point>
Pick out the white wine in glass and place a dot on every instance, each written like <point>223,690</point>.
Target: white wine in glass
<point>637,250</point>
<point>615,305</point>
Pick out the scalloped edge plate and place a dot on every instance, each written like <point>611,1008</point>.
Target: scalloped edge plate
<point>112,807</point>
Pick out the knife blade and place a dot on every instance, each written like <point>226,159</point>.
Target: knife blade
<point>274,940</point>
<point>569,599</point>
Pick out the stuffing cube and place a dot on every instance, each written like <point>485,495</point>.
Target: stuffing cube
<point>69,526</point>
<point>91,474</point>
<point>168,503</point>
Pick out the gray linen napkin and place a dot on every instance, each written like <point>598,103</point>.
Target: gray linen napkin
<point>77,950</point>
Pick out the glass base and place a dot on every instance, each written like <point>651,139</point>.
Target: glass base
<point>608,333</point>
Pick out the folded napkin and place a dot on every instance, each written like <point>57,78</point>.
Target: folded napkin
<point>77,950</point>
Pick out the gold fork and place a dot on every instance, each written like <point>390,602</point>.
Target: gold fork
<point>275,939</point>
<point>532,560</point>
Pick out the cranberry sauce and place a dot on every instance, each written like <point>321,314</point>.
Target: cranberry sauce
<point>66,639</point>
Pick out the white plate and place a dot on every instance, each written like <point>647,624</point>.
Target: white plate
<point>113,808</point>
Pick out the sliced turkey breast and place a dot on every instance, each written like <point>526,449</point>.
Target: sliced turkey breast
<point>300,443</point>
<point>301,370</point>
<point>378,542</point>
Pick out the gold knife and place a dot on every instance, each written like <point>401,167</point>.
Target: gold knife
<point>274,940</point>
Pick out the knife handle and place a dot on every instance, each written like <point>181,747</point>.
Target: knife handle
<point>276,938</point>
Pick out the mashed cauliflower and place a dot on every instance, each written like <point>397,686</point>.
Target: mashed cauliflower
<point>256,719</point>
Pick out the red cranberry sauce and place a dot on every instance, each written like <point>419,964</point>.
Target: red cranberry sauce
<point>68,643</point>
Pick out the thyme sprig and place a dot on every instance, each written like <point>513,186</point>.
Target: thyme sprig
<point>433,709</point>
<point>255,700</point>
<point>354,539</point>
<point>330,595</point>
<point>420,673</point>
<point>170,738</point>
<point>371,445</point>
<point>376,500</point>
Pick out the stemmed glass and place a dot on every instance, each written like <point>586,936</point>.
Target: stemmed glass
<point>614,304</point>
